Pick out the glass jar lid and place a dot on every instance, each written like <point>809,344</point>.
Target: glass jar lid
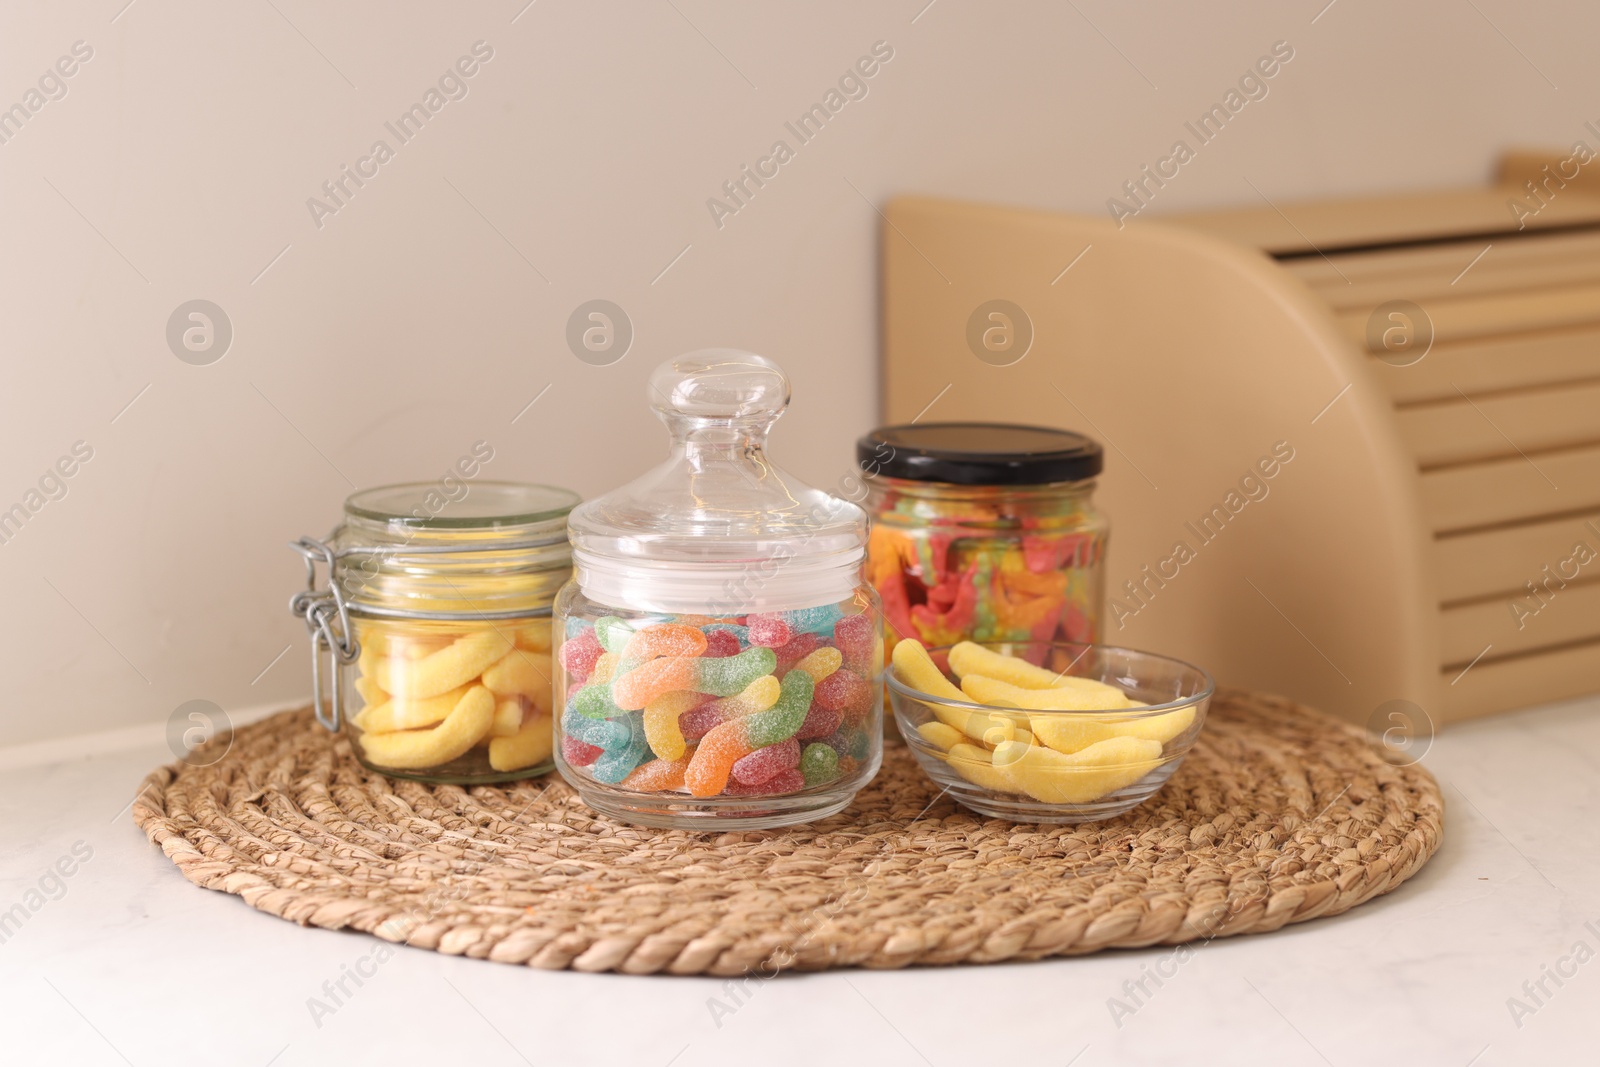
<point>453,549</point>
<point>979,453</point>
<point>718,524</point>
<point>458,505</point>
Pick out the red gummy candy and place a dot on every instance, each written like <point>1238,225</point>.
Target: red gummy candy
<point>790,781</point>
<point>820,721</point>
<point>854,636</point>
<point>795,651</point>
<point>578,754</point>
<point>697,722</point>
<point>578,655</point>
<point>844,691</point>
<point>720,644</point>
<point>769,631</point>
<point>764,764</point>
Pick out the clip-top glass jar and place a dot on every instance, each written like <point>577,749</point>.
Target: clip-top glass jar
<point>436,620</point>
<point>985,532</point>
<point>720,664</point>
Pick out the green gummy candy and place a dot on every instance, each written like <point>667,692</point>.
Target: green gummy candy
<point>613,633</point>
<point>729,675</point>
<point>594,702</point>
<point>781,721</point>
<point>819,763</point>
<point>858,744</point>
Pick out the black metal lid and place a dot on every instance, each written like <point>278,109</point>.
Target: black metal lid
<point>979,453</point>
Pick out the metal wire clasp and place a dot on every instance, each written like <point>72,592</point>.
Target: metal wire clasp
<point>328,621</point>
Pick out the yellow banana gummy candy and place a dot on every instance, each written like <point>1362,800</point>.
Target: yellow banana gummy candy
<point>535,636</point>
<point>371,692</point>
<point>967,658</point>
<point>523,673</point>
<point>914,667</point>
<point>464,727</point>
<point>507,720</point>
<point>1057,778</point>
<point>1073,733</point>
<point>531,744</point>
<point>407,714</point>
<point>939,735</point>
<point>982,689</point>
<point>976,766</point>
<point>465,659</point>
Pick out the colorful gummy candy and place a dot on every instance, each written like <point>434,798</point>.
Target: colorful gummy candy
<point>760,705</point>
<point>991,566</point>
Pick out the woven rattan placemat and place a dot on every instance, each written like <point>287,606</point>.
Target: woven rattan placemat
<point>1279,815</point>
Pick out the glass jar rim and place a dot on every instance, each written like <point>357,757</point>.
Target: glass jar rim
<point>483,505</point>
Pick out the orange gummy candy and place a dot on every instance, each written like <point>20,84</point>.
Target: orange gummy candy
<point>647,681</point>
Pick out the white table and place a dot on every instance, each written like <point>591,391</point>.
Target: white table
<point>132,964</point>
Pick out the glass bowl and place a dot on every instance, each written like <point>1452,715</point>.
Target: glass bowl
<point>1049,766</point>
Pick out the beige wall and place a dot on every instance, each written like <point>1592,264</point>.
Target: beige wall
<point>415,320</point>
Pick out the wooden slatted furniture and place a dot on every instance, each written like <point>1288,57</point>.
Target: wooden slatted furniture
<point>1427,497</point>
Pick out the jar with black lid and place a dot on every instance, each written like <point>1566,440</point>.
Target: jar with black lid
<point>985,532</point>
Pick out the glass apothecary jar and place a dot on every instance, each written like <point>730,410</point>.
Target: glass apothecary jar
<point>436,623</point>
<point>720,663</point>
<point>985,532</point>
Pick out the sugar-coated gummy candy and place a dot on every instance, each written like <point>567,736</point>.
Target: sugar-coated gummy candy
<point>740,632</point>
<point>577,627</point>
<point>603,733</point>
<point>578,754</point>
<point>594,702</point>
<point>637,688</point>
<point>791,781</point>
<point>764,763</point>
<point>847,742</point>
<point>613,633</point>
<point>657,776</point>
<point>714,758</point>
<point>697,722</point>
<point>529,745</point>
<point>820,663</point>
<point>846,692</point>
<point>821,721</point>
<point>449,668</point>
<point>817,620</point>
<point>720,643</point>
<point>605,668</point>
<point>819,764</point>
<point>578,655</point>
<point>769,631</point>
<point>467,722</point>
<point>618,763</point>
<point>728,677</point>
<point>664,639</point>
<point>855,637</point>
<point>796,650</point>
<point>759,695</point>
<point>779,722</point>
<point>661,717</point>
